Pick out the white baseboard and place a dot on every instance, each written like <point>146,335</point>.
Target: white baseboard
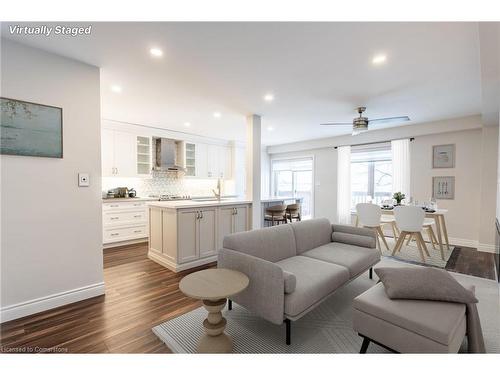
<point>489,248</point>
<point>462,242</point>
<point>37,305</point>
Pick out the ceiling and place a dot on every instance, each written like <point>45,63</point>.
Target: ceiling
<point>318,72</point>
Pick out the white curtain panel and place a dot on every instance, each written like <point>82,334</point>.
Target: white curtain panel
<point>401,164</point>
<point>344,185</point>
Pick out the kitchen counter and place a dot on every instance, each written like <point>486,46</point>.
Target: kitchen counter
<point>201,203</point>
<point>214,203</point>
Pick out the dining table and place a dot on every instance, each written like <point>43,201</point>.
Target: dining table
<point>439,218</point>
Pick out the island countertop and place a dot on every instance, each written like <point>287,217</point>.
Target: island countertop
<point>214,202</point>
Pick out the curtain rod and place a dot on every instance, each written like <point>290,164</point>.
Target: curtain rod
<point>373,143</point>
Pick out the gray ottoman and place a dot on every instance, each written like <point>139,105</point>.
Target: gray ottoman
<point>408,326</point>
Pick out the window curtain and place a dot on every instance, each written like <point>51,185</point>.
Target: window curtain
<point>401,167</point>
<point>344,185</point>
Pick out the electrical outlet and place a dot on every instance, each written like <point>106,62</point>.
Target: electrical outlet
<point>83,179</point>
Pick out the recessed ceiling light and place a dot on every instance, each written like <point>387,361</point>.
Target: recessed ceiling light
<point>217,114</point>
<point>116,88</point>
<point>156,52</point>
<point>379,59</point>
<point>269,97</point>
<point>187,124</point>
<point>270,128</point>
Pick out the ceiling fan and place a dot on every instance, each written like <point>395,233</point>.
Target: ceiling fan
<point>360,124</point>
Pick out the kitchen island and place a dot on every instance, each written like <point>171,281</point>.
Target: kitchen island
<point>188,233</point>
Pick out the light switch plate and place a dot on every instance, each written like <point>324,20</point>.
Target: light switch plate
<point>83,179</point>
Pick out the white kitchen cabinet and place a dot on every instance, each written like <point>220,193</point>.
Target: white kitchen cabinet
<point>201,162</point>
<point>188,229</point>
<point>124,221</point>
<point>183,238</point>
<point>241,219</point>
<point>219,161</point>
<point>207,233</point>
<point>125,154</point>
<point>232,219</point>
<point>108,152</point>
<point>213,161</point>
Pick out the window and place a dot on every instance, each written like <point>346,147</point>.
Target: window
<point>371,174</point>
<point>294,178</point>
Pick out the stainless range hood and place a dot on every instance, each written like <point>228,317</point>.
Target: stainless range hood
<point>168,154</point>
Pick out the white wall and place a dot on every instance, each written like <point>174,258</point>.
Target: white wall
<point>51,251</point>
<point>471,214</point>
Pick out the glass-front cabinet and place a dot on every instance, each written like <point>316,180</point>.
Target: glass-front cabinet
<point>143,155</point>
<point>190,159</point>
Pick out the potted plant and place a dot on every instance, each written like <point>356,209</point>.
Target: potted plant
<point>398,197</point>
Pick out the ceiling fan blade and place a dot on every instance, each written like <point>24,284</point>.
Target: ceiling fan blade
<point>338,123</point>
<point>388,120</point>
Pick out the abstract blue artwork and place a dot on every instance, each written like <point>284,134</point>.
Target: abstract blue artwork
<point>30,129</point>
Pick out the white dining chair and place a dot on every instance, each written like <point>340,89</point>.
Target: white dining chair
<point>390,220</point>
<point>369,216</point>
<point>410,221</point>
<point>427,226</point>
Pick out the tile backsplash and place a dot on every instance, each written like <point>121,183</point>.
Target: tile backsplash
<point>168,183</point>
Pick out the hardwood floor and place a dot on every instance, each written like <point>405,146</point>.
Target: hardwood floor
<point>139,295</point>
<point>472,262</point>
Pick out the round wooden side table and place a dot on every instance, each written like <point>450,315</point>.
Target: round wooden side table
<point>213,287</point>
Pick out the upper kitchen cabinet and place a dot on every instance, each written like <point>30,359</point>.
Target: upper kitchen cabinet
<point>125,154</point>
<point>143,155</point>
<point>210,161</point>
<point>219,161</point>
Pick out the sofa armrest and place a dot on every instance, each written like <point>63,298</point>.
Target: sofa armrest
<point>265,294</point>
<point>363,237</point>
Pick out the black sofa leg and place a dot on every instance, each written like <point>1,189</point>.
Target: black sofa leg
<point>229,304</point>
<point>288,325</point>
<point>371,273</point>
<point>364,345</point>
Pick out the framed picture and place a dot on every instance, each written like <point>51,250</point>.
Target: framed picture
<point>443,156</point>
<point>443,187</point>
<point>30,129</point>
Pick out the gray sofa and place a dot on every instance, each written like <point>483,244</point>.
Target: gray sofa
<point>294,267</point>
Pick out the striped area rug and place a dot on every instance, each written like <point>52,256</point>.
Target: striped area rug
<point>327,329</point>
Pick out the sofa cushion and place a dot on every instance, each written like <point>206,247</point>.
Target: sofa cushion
<point>435,320</point>
<point>311,233</point>
<point>354,239</point>
<point>315,280</point>
<point>356,259</point>
<point>271,244</point>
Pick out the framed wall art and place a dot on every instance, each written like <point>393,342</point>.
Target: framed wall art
<point>443,156</point>
<point>443,187</point>
<point>30,129</point>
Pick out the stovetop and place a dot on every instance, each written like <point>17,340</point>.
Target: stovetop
<point>169,197</point>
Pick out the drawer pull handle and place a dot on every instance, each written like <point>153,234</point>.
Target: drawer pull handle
<point>137,215</point>
<point>115,218</point>
<point>115,234</point>
<point>137,231</point>
<point>113,205</point>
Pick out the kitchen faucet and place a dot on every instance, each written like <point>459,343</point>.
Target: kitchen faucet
<point>218,192</point>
